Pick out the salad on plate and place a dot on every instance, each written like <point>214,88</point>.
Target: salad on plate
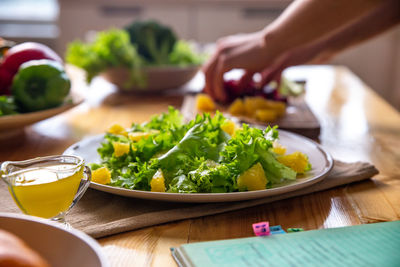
<point>206,155</point>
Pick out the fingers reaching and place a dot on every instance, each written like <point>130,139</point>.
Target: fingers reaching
<point>271,74</point>
<point>246,51</point>
<point>209,71</point>
<point>214,71</point>
<point>218,81</point>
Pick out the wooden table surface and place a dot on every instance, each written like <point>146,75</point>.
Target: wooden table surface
<point>357,125</point>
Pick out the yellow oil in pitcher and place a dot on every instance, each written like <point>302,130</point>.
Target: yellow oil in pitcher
<point>46,192</point>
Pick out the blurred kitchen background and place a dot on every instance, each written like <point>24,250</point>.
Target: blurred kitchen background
<point>57,23</point>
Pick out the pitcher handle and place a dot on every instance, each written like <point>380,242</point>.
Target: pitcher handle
<point>85,182</point>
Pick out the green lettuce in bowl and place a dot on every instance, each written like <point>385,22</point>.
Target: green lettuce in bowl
<point>144,55</point>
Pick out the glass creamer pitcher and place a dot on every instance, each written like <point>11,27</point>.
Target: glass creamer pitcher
<point>47,187</point>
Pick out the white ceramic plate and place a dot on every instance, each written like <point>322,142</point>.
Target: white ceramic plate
<point>60,247</point>
<point>320,160</point>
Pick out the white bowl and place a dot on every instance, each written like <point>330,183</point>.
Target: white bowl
<point>12,125</point>
<point>60,247</point>
<point>21,120</point>
<point>158,78</point>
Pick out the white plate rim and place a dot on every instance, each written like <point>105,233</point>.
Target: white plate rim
<point>214,197</point>
<point>96,248</point>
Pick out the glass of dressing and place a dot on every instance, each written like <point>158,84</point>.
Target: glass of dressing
<point>47,187</point>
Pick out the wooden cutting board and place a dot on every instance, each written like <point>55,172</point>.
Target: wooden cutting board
<point>298,118</point>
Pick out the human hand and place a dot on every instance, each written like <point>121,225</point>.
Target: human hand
<point>293,38</point>
<point>254,53</point>
<point>245,51</point>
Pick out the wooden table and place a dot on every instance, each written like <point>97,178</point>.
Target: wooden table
<point>357,125</point>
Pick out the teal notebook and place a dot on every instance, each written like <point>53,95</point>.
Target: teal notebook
<point>362,245</point>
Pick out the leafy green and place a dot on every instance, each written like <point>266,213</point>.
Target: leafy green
<point>212,177</point>
<point>7,105</point>
<point>110,48</point>
<point>274,170</point>
<point>194,157</point>
<point>153,40</point>
<point>182,184</point>
<point>183,55</point>
<point>252,145</point>
<point>173,119</point>
<point>204,140</point>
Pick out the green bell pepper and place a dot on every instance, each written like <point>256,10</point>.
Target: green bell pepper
<point>40,84</point>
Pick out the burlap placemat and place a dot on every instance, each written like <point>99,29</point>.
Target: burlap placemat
<point>101,214</point>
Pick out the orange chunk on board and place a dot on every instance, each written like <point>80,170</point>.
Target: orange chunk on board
<point>265,115</point>
<point>237,108</point>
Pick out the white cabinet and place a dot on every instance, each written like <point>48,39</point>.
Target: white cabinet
<point>216,21</point>
<point>202,20</point>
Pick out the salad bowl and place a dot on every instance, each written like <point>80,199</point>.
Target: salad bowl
<point>157,78</point>
<point>60,247</point>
